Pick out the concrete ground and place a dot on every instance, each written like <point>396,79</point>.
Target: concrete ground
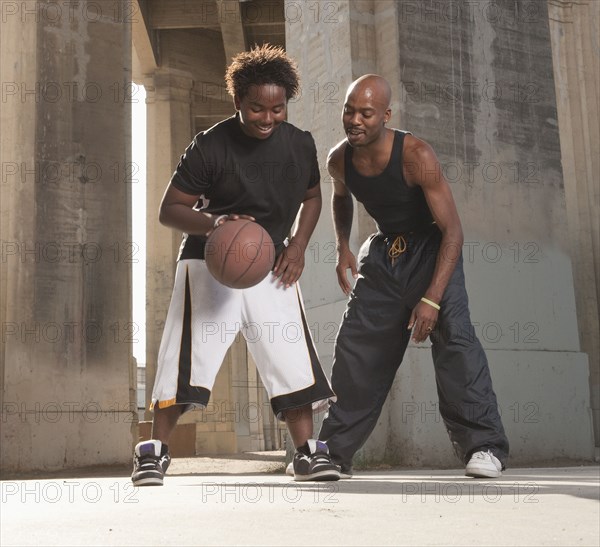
<point>247,500</point>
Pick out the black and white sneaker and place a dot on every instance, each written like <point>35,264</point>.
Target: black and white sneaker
<point>313,463</point>
<point>151,460</point>
<point>346,471</point>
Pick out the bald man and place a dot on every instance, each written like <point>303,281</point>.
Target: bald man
<point>411,284</point>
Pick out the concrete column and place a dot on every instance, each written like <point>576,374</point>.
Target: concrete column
<point>483,95</point>
<point>574,37</point>
<point>472,80</point>
<point>67,375</point>
<point>321,44</point>
<point>334,43</point>
<point>169,132</point>
<point>180,103</point>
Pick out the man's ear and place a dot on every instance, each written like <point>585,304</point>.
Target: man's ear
<point>388,115</point>
<point>236,102</point>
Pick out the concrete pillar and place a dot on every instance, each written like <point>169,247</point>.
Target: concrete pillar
<point>321,44</point>
<point>334,43</point>
<point>67,376</point>
<point>472,80</point>
<point>169,132</point>
<point>483,96</point>
<point>574,37</point>
<point>180,103</point>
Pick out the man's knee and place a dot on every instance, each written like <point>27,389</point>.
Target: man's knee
<point>455,332</point>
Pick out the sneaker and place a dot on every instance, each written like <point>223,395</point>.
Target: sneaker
<point>313,463</point>
<point>483,464</point>
<point>151,460</point>
<point>346,472</point>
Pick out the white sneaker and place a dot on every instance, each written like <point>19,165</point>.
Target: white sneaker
<point>483,465</point>
<point>289,470</point>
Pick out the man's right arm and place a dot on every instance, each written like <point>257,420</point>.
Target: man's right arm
<point>192,178</point>
<point>177,211</point>
<point>342,209</point>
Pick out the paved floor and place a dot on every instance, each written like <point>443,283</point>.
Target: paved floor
<point>249,501</point>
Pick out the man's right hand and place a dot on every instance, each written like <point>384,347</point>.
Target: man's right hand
<point>221,219</point>
<point>346,261</point>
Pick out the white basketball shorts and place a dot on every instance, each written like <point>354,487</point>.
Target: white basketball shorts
<point>203,320</point>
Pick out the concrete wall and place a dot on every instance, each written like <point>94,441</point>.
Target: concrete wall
<point>471,78</point>
<point>473,81</point>
<point>187,94</point>
<point>67,377</point>
<point>575,35</point>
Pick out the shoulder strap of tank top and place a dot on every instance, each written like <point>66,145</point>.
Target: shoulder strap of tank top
<point>348,167</point>
<point>398,148</point>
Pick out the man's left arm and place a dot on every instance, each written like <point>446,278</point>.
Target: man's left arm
<point>436,189</point>
<point>290,263</point>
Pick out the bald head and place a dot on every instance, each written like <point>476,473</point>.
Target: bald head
<point>372,87</point>
<point>367,110</point>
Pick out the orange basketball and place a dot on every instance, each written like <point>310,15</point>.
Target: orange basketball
<point>239,253</point>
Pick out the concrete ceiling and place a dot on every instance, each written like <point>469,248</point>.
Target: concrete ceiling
<point>241,24</point>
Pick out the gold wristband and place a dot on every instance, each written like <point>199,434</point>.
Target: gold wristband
<point>432,304</point>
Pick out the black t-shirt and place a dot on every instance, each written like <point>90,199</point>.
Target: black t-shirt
<point>235,173</point>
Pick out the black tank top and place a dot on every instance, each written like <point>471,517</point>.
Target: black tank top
<point>395,207</point>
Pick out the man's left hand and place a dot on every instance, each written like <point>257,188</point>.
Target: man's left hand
<point>422,321</point>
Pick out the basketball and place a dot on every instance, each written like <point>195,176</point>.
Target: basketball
<point>239,253</point>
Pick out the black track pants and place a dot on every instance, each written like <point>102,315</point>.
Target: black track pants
<point>373,338</point>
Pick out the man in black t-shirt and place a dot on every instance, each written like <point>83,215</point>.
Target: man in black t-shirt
<point>257,166</point>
